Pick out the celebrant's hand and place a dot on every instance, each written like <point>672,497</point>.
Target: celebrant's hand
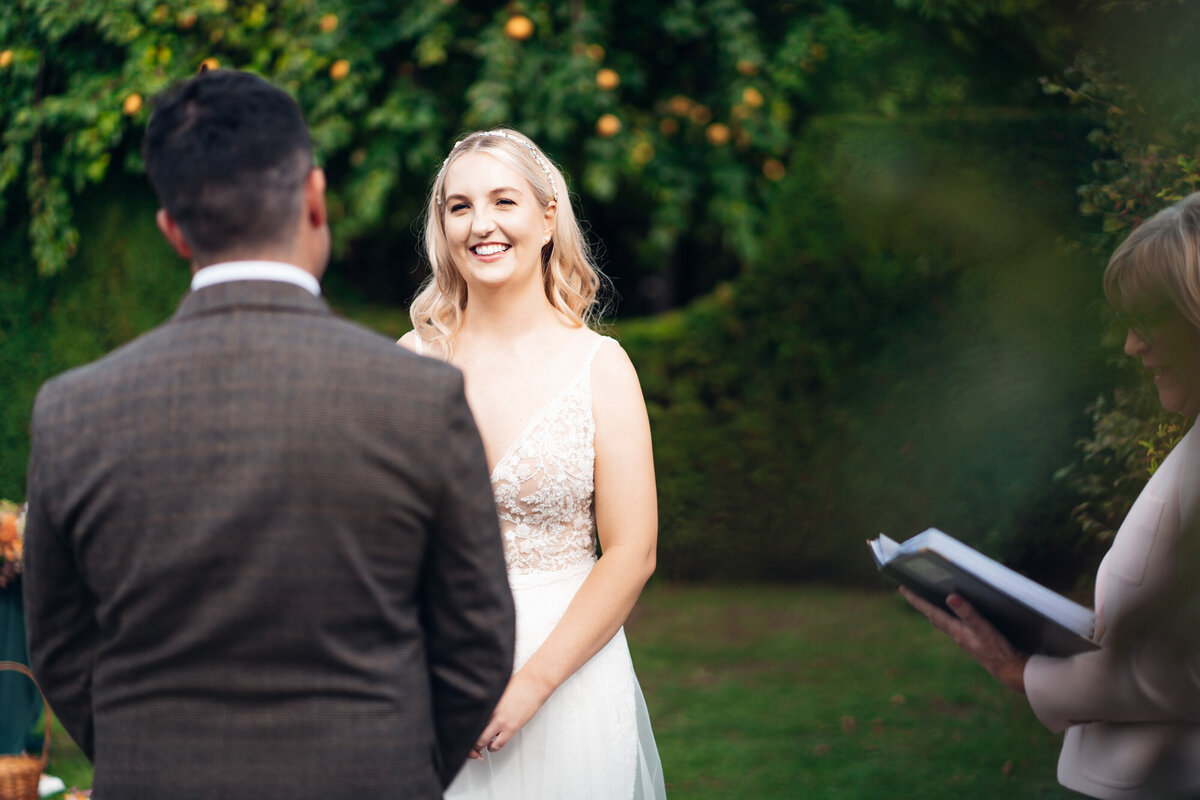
<point>978,637</point>
<point>522,698</point>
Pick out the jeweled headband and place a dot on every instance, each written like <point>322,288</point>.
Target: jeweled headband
<point>524,143</point>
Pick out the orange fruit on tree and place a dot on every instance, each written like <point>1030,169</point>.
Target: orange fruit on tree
<point>329,23</point>
<point>339,69</point>
<point>700,114</point>
<point>718,133</point>
<point>679,105</point>
<point>210,63</point>
<point>773,169</point>
<point>132,104</point>
<point>6,58</point>
<point>518,27</point>
<point>608,125</point>
<point>752,97</point>
<point>607,79</point>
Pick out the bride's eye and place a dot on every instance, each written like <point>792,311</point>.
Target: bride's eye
<point>457,207</point>
<point>504,201</point>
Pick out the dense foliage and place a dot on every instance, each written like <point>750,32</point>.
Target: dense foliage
<point>124,281</point>
<point>928,369</point>
<point>1138,78</point>
<point>675,123</point>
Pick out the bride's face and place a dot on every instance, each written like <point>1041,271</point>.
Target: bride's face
<point>495,226</point>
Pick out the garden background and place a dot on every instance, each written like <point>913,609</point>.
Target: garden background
<point>856,250</point>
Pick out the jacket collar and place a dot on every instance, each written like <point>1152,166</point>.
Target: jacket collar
<point>222,298</point>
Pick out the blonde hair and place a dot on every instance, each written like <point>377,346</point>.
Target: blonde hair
<point>1160,261</point>
<point>569,275</point>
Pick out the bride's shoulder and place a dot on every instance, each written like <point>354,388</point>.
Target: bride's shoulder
<point>617,402</point>
<point>605,346</point>
<point>411,341</point>
<point>611,366</point>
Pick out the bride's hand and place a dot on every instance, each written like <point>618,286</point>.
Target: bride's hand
<point>522,698</point>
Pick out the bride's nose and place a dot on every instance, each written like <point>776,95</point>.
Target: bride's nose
<point>482,222</point>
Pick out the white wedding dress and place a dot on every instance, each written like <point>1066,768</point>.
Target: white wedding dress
<point>592,739</point>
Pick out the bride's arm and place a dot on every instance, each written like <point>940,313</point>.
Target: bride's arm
<point>627,525</point>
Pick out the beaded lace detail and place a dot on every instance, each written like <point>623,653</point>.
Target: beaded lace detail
<point>544,483</point>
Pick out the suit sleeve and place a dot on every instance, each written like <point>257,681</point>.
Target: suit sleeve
<point>1152,682</point>
<point>59,609</point>
<point>466,605</point>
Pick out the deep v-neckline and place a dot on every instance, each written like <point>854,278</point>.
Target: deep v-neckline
<point>546,408</point>
<point>541,414</point>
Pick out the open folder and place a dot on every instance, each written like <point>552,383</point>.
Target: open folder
<point>1035,619</point>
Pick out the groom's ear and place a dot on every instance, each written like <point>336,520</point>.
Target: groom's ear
<point>172,233</point>
<point>315,211</point>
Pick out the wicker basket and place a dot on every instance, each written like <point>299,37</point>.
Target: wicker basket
<point>19,774</point>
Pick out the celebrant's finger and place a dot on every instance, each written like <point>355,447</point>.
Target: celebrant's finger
<point>964,610</point>
<point>928,609</point>
<point>983,630</point>
<point>919,603</point>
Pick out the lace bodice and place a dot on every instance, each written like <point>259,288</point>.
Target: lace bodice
<point>544,483</point>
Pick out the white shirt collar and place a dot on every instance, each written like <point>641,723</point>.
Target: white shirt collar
<point>255,271</point>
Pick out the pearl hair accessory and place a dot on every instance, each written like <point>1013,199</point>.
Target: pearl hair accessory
<point>527,145</point>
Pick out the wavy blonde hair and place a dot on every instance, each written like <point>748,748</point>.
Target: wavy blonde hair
<point>571,279</point>
<point>1160,261</point>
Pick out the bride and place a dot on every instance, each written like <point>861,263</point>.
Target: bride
<point>564,426</point>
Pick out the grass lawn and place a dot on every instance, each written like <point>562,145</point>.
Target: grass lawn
<point>812,692</point>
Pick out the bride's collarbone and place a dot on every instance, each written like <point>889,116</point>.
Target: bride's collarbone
<point>544,344</point>
<point>510,395</point>
<point>507,394</point>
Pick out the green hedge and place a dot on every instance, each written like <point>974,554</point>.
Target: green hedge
<point>118,288</point>
<point>916,348</point>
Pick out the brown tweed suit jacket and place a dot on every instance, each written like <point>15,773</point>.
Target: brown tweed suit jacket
<point>263,558</point>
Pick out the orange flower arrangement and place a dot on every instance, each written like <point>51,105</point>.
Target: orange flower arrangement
<point>12,541</point>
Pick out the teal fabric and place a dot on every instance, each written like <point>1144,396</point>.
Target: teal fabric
<point>18,696</point>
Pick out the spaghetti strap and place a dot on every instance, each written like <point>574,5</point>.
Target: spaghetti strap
<point>420,345</point>
<point>587,362</point>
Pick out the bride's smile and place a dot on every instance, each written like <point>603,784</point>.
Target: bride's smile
<point>490,249</point>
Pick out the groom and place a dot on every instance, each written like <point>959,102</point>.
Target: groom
<point>262,556</point>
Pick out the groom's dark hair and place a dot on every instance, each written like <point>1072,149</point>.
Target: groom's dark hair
<point>228,154</point>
